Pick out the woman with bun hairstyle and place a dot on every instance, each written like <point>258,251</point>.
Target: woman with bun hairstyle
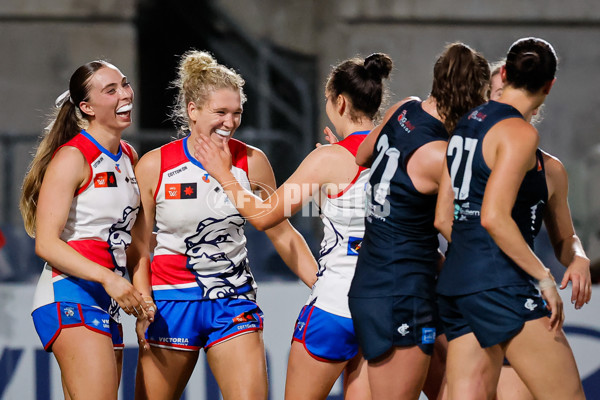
<point>199,275</point>
<point>80,200</point>
<point>492,200</point>
<point>392,296</point>
<point>324,343</point>
<point>567,246</point>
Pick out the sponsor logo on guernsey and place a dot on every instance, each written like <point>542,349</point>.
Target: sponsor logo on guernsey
<point>69,311</point>
<point>174,340</point>
<point>462,212</point>
<point>403,329</point>
<point>244,326</point>
<point>178,191</point>
<point>354,244</point>
<point>244,317</point>
<point>404,122</point>
<point>205,178</point>
<point>97,162</point>
<point>534,214</point>
<point>477,116</point>
<point>170,174</point>
<point>530,305</point>
<point>105,179</point>
<point>428,335</point>
<point>117,168</point>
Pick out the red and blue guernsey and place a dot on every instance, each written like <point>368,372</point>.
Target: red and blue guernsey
<point>98,226</point>
<point>201,248</point>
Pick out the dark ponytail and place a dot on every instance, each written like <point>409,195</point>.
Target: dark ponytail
<point>461,78</point>
<point>530,64</point>
<point>361,81</point>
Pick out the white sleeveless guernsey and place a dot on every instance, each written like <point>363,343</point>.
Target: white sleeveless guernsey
<point>102,214</point>
<point>343,219</point>
<point>201,248</point>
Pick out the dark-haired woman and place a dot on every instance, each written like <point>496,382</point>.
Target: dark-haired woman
<point>79,200</point>
<point>324,343</point>
<point>392,297</point>
<point>491,206</point>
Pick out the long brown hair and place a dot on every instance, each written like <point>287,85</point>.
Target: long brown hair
<point>461,78</point>
<point>66,123</point>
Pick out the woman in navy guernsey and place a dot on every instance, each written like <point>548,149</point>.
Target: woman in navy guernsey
<point>80,200</point>
<point>199,275</point>
<point>392,296</point>
<point>490,207</point>
<point>324,343</point>
<point>567,246</point>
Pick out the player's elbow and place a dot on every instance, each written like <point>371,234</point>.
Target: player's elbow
<point>261,224</point>
<point>491,221</point>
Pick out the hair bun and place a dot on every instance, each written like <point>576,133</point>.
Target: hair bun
<point>528,62</point>
<point>194,61</point>
<point>378,65</point>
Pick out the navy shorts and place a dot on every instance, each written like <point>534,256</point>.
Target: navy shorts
<point>192,325</point>
<point>394,321</point>
<point>325,336</point>
<point>494,315</point>
<point>50,319</point>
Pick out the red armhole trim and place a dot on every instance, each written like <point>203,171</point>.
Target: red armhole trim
<point>83,142</point>
<point>128,150</point>
<point>335,196</point>
<point>175,150</point>
<point>160,174</point>
<point>239,154</point>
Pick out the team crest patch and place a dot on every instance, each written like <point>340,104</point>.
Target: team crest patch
<point>178,191</point>
<point>105,179</point>
<point>244,317</point>
<point>69,311</point>
<point>354,244</point>
<point>530,305</point>
<point>428,335</point>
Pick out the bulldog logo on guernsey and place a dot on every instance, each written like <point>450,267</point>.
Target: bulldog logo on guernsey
<point>179,191</point>
<point>105,179</point>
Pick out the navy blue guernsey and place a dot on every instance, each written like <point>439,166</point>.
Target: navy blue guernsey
<point>398,255</point>
<point>474,261</point>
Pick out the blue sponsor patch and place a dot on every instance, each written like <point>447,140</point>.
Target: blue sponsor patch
<point>428,336</point>
<point>354,245</point>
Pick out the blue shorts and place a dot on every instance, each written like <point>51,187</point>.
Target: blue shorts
<point>192,325</point>
<point>325,336</point>
<point>50,319</point>
<point>382,323</point>
<point>494,316</point>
